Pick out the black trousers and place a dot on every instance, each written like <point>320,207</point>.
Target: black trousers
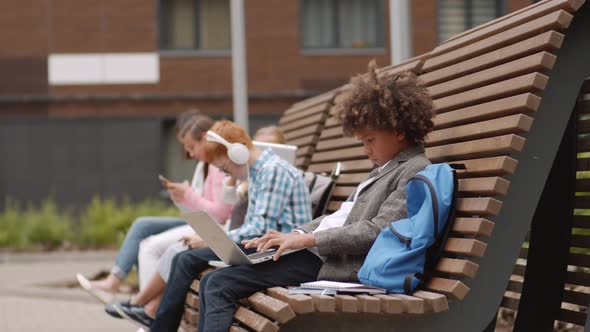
<point>222,289</point>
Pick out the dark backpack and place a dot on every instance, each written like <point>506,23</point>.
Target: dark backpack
<point>408,249</point>
<point>320,189</point>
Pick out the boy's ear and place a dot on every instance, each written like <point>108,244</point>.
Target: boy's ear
<point>400,136</point>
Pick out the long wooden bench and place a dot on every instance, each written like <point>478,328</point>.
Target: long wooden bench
<point>503,94</point>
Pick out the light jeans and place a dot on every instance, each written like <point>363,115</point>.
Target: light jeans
<point>153,248</point>
<point>141,228</point>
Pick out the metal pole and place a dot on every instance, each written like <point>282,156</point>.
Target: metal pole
<point>400,31</point>
<point>239,76</point>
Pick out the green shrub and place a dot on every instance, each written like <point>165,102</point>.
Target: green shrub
<point>102,223</point>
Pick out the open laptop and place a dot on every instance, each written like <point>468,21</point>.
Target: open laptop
<point>221,244</point>
<point>285,151</point>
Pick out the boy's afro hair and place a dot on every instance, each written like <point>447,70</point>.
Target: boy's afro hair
<point>397,103</point>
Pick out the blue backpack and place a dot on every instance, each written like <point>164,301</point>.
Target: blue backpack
<point>408,247</point>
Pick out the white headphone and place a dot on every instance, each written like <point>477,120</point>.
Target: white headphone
<point>236,152</point>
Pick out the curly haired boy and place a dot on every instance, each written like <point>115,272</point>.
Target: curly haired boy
<point>391,117</point>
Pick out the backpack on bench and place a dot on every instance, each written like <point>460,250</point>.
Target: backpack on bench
<point>407,248</point>
<point>320,189</point>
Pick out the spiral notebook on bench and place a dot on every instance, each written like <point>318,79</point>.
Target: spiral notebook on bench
<point>333,287</point>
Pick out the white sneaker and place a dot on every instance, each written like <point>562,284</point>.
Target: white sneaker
<point>102,295</point>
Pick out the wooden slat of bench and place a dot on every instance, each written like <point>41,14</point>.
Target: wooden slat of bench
<point>271,307</point>
<point>304,141</point>
<point>302,162</point>
<point>324,303</point>
<point>547,41</point>
<point>524,103</point>
<point>237,329</point>
<point>195,285</point>
<point>499,27</point>
<point>519,269</point>
<point>457,267</point>
<point>510,302</point>
<point>580,241</point>
<point>411,304</point>
<point>186,327</point>
<point>496,21</point>
<point>538,62</point>
<point>390,304</point>
<point>314,119</point>
<point>347,166</point>
<point>332,122</point>
<point>191,316</point>
<point>532,82</point>
<point>557,20</point>
<point>192,300</point>
<point>449,287</point>
<point>343,191</point>
<point>326,97</point>
<point>465,247</point>
<point>501,165</point>
<point>305,151</point>
<point>254,321</point>
<point>339,155</point>
<point>481,206</point>
<point>301,132</point>
<point>490,186</point>
<point>334,132</point>
<point>307,112</point>
<point>494,146</point>
<point>299,303</point>
<point>338,143</point>
<point>433,302</point>
<point>512,124</point>
<point>582,202</point>
<point>473,226</point>
<point>346,303</point>
<point>352,179</point>
<point>368,303</point>
<point>412,65</point>
<point>344,93</point>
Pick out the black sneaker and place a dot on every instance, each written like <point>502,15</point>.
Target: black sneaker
<point>110,308</point>
<point>135,315</point>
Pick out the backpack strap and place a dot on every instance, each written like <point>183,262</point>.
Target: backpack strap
<point>433,197</point>
<point>408,281</point>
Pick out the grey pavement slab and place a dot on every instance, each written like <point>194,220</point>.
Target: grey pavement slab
<point>30,300</point>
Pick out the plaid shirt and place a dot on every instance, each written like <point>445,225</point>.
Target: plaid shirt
<point>278,198</point>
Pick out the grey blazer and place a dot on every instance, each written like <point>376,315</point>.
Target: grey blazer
<point>382,201</point>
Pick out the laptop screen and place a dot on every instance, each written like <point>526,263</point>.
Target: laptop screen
<point>287,152</point>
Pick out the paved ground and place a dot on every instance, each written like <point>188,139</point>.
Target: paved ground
<point>29,300</point>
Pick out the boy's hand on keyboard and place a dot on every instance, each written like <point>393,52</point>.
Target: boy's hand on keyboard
<point>282,241</point>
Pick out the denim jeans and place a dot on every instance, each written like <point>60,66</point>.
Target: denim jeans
<point>220,290</point>
<point>140,229</point>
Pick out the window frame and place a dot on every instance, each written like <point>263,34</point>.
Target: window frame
<point>334,50</point>
<point>160,20</point>
<point>501,10</point>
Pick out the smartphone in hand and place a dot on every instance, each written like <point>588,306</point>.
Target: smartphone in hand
<point>163,180</point>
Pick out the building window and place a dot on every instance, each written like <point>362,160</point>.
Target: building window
<point>456,16</point>
<point>342,24</point>
<point>194,25</point>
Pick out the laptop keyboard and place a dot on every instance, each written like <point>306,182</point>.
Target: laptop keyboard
<point>261,254</point>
